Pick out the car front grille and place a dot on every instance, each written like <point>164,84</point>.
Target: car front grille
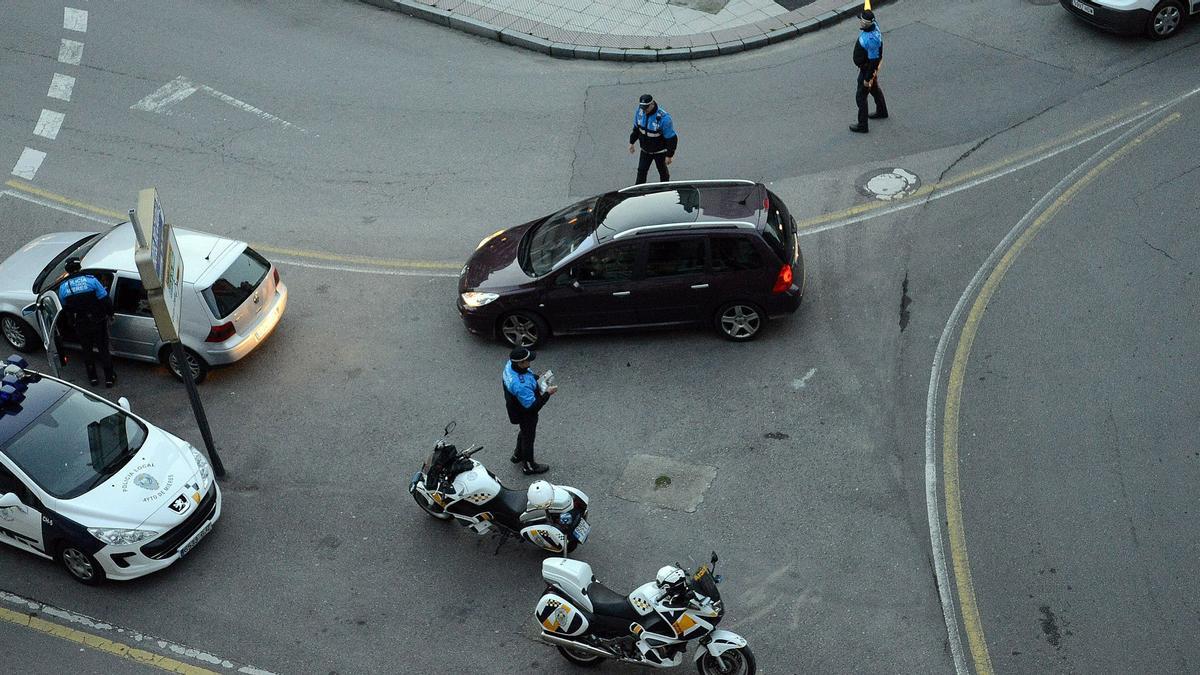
<point>166,545</point>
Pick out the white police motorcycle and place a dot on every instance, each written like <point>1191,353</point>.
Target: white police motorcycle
<point>652,626</point>
<point>451,485</point>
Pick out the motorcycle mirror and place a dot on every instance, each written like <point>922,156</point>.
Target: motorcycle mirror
<point>714,559</point>
<point>450,427</point>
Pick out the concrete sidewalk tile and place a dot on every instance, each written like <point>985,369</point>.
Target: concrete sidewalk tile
<point>641,55</point>
<point>612,54</point>
<point>503,20</point>
<point>561,15</point>
<point>769,24</point>
<point>576,5</point>
<point>523,25</point>
<point>484,14</point>
<point>452,5</point>
<point>604,27</point>
<point>562,35</point>
<point>851,10</point>
<point>730,47</point>
<point>590,40</point>
<point>704,39</point>
<point>523,7</point>
<point>474,26</point>
<point>658,27</point>
<point>421,11</point>
<point>585,52</point>
<point>675,54</point>
<point>526,41</point>
<point>827,19</point>
<point>657,42</point>
<point>705,51</point>
<point>785,33</point>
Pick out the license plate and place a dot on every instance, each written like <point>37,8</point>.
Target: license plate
<point>195,540</point>
<point>1078,4</point>
<point>581,531</point>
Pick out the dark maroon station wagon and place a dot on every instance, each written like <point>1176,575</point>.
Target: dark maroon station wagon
<point>721,253</point>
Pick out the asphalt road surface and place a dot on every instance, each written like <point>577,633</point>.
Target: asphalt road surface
<point>1040,279</point>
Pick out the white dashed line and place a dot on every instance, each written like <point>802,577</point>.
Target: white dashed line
<point>61,87</point>
<point>169,94</point>
<point>75,19</point>
<point>29,163</point>
<point>49,124</point>
<point>71,52</point>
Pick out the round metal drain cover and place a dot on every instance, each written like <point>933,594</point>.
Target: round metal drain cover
<point>888,184</point>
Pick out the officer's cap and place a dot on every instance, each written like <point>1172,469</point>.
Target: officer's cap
<point>73,264</point>
<point>645,100</point>
<point>867,15</point>
<point>521,354</point>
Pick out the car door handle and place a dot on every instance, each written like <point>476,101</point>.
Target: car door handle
<point>621,294</point>
<point>699,286</point>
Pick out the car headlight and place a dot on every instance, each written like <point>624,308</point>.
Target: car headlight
<point>488,238</point>
<point>202,462</point>
<point>478,299</point>
<point>118,537</point>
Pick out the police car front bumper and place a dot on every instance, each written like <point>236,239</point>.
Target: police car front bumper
<point>1125,21</point>
<point>122,563</point>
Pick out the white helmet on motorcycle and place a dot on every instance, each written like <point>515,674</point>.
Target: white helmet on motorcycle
<point>541,494</point>
<point>670,576</point>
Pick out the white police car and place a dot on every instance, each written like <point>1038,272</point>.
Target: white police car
<point>1158,19</point>
<point>93,486</point>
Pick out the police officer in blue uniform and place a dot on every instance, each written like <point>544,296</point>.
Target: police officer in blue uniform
<point>654,129</point>
<point>87,306</point>
<point>524,399</point>
<point>868,52</point>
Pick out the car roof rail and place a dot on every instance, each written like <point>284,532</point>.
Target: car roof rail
<point>641,187</point>
<point>713,224</point>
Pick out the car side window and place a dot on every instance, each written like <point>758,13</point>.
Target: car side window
<point>612,263</point>
<point>674,257</point>
<point>131,298</point>
<point>734,254</point>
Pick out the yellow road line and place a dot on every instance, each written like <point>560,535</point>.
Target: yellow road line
<point>954,520</point>
<point>932,188</point>
<point>100,644</point>
<point>22,186</point>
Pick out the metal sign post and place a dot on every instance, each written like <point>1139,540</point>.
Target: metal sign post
<point>161,268</point>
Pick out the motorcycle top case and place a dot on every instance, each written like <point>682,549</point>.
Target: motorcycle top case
<point>559,616</point>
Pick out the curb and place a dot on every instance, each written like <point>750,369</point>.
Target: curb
<point>561,43</point>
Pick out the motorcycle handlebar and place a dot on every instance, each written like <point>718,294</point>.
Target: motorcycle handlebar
<point>471,451</point>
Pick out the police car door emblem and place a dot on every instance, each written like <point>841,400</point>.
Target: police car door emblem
<point>145,481</point>
<point>180,504</point>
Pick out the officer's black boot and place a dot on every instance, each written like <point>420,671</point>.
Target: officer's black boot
<point>858,128</point>
<point>91,373</point>
<point>530,468</point>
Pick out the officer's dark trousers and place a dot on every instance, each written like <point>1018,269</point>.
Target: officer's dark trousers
<point>860,97</point>
<point>94,338</point>
<point>660,161</point>
<point>525,438</point>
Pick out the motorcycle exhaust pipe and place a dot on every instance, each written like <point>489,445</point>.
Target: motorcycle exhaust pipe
<point>565,642</point>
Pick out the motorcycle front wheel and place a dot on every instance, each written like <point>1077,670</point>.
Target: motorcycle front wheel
<point>432,509</point>
<point>738,661</point>
<point>579,657</point>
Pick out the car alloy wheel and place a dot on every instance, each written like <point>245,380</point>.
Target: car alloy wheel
<point>740,321</point>
<point>81,565</point>
<point>522,330</point>
<point>1166,20</point>
<point>197,367</point>
<point>15,332</point>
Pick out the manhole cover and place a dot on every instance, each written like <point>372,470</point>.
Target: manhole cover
<point>888,184</point>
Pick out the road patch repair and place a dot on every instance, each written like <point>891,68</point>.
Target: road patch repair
<point>664,482</point>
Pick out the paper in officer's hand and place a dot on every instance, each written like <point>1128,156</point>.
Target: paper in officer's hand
<point>546,381</point>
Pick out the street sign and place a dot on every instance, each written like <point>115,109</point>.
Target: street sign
<point>159,263</point>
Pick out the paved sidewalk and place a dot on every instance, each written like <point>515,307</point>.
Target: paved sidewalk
<point>632,30</point>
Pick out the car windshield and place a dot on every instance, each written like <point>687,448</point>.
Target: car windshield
<point>556,237</point>
<point>57,269</point>
<point>76,445</point>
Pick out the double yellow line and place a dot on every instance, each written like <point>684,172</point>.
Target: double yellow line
<point>954,520</point>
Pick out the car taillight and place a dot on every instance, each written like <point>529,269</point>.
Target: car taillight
<point>784,280</point>
<point>275,273</point>
<point>220,333</point>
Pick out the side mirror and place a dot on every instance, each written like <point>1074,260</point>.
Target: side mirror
<point>29,309</point>
<point>9,500</point>
<point>714,558</point>
<point>124,403</point>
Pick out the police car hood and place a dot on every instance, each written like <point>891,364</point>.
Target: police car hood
<point>146,493</point>
<point>19,270</point>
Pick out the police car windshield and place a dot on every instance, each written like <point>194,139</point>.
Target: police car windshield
<point>57,268</point>
<point>556,237</point>
<point>76,444</point>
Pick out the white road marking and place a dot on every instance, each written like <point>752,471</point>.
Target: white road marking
<point>108,222</point>
<point>29,163</point>
<point>180,88</point>
<point>48,124</point>
<point>27,606</point>
<point>803,382</point>
<point>61,87</point>
<point>75,19</point>
<point>70,52</point>
<point>366,270</point>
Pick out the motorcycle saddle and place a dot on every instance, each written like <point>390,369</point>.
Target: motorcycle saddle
<point>608,602</point>
<point>507,507</point>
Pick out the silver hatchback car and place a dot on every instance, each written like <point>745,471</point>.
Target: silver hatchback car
<point>232,296</point>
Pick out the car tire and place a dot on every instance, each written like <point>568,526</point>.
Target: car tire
<point>82,566</point>
<point>1165,19</point>
<point>579,657</point>
<point>522,329</point>
<point>197,364</point>
<point>740,321</point>
<point>19,334</point>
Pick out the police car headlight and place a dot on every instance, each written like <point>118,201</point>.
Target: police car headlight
<point>118,537</point>
<point>202,463</point>
<point>477,299</point>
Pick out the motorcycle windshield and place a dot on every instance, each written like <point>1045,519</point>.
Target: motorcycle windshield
<point>702,582</point>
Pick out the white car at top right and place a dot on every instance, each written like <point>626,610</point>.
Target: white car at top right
<point>1157,19</point>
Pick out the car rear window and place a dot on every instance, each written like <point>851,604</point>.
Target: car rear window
<point>236,283</point>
